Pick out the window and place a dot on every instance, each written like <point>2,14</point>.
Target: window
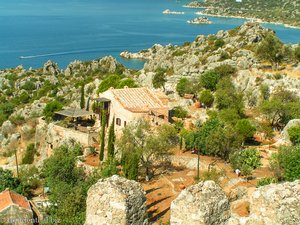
<point>125,123</point>
<point>118,121</point>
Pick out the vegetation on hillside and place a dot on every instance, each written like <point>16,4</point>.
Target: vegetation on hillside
<point>282,11</point>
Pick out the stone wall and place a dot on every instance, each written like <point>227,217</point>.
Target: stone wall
<point>203,203</point>
<point>116,201</point>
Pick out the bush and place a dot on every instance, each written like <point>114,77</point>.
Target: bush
<point>51,108</point>
<point>212,174</point>
<point>159,79</point>
<point>17,119</point>
<point>245,128</point>
<point>206,98</point>
<point>183,86</point>
<point>288,160</point>
<point>219,43</point>
<point>265,181</point>
<point>246,160</point>
<point>297,53</point>
<point>29,154</point>
<point>209,80</point>
<point>225,70</point>
<point>28,86</point>
<point>180,112</point>
<point>294,133</point>
<point>115,81</point>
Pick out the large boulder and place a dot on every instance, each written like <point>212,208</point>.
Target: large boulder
<point>274,204</point>
<point>116,201</point>
<point>284,136</point>
<point>202,204</point>
<point>277,203</point>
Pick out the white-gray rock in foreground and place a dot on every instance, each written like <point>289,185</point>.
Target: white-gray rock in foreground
<point>116,201</point>
<point>202,204</point>
<point>274,204</point>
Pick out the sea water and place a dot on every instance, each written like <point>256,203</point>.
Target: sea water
<point>34,31</point>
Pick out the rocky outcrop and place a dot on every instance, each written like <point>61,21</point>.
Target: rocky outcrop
<point>51,67</point>
<point>105,65</point>
<point>275,204</point>
<point>116,200</point>
<point>284,136</point>
<point>199,20</point>
<point>234,48</point>
<point>168,11</point>
<point>203,203</point>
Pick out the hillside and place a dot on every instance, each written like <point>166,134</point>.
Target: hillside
<point>281,11</point>
<point>229,100</point>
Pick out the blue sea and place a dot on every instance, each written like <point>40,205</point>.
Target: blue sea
<point>64,30</point>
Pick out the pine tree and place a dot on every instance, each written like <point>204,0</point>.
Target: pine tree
<point>102,136</point>
<point>82,102</point>
<point>111,140</point>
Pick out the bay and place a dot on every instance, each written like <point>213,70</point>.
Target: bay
<point>64,31</point>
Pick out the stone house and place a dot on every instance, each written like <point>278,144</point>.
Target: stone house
<point>130,104</point>
<point>15,209</point>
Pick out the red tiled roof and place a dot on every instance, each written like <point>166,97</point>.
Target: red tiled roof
<point>8,198</point>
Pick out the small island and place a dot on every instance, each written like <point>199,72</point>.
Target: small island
<point>199,20</point>
<point>168,11</point>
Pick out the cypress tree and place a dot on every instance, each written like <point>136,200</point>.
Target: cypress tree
<point>102,136</point>
<point>111,140</point>
<point>82,103</point>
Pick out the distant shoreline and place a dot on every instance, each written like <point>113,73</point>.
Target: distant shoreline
<point>248,18</point>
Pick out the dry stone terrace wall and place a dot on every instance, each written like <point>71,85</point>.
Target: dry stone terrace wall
<point>116,201</point>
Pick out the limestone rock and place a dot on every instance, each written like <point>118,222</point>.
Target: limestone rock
<point>284,136</point>
<point>116,201</point>
<point>7,128</point>
<point>277,203</point>
<point>274,204</point>
<point>51,67</point>
<point>203,203</point>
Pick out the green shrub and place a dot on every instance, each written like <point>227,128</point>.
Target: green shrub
<point>28,86</point>
<point>110,81</point>
<point>212,174</point>
<point>29,154</point>
<point>159,79</point>
<point>183,86</point>
<point>288,160</point>
<point>294,133</point>
<point>245,128</point>
<point>110,168</point>
<point>17,119</point>
<point>265,181</point>
<point>246,160</point>
<point>209,80</point>
<point>219,43</point>
<point>297,53</point>
<point>180,112</point>
<point>51,108</point>
<point>206,98</point>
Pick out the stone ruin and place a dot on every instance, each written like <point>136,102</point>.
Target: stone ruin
<point>203,203</point>
<point>116,201</point>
